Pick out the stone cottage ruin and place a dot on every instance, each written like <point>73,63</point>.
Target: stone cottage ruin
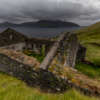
<point>66,49</point>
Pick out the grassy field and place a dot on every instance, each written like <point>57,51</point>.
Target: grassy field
<point>90,34</point>
<point>90,37</point>
<point>91,71</point>
<point>14,89</point>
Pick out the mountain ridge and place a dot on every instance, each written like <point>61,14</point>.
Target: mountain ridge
<point>41,23</point>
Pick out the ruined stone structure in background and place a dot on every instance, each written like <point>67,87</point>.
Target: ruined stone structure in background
<point>17,41</point>
<point>10,36</point>
<point>66,49</point>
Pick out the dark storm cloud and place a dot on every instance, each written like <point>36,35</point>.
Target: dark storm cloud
<point>31,10</point>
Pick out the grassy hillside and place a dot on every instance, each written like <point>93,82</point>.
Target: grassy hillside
<point>90,34</point>
<point>90,37</point>
<point>14,89</point>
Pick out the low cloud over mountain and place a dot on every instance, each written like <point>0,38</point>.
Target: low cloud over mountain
<point>83,12</point>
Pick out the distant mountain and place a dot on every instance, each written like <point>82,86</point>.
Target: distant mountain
<point>41,23</point>
<point>7,24</point>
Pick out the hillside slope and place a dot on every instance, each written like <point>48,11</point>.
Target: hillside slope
<point>90,34</point>
<point>90,37</point>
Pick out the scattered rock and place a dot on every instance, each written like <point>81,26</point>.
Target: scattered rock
<point>62,77</point>
<point>34,68</point>
<point>58,89</point>
<point>56,69</point>
<point>58,65</point>
<point>73,69</point>
<point>74,76</point>
<point>66,78</point>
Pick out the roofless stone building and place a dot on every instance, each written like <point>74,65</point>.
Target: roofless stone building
<point>62,52</point>
<point>66,48</point>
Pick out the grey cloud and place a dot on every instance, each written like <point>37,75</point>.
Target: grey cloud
<point>31,10</point>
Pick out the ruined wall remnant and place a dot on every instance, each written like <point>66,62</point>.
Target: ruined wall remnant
<point>66,54</point>
<point>31,75</point>
<point>17,47</point>
<point>17,41</point>
<point>73,46</point>
<point>10,36</point>
<point>81,53</point>
<point>49,57</point>
<point>64,50</point>
<point>36,44</point>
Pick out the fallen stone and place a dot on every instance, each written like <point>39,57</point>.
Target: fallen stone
<point>58,65</point>
<point>73,69</point>
<point>58,89</point>
<point>66,78</point>
<point>56,69</point>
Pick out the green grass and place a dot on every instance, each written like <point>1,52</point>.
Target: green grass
<point>43,50</point>
<point>39,57</point>
<point>91,71</point>
<point>14,89</point>
<point>91,34</point>
<point>93,54</point>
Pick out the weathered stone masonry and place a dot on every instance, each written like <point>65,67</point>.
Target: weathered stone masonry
<point>64,50</point>
<point>17,41</point>
<point>67,51</point>
<point>44,79</point>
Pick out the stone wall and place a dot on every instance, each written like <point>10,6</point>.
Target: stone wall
<point>43,79</point>
<point>68,50</point>
<point>64,50</point>
<point>17,41</point>
<point>10,36</point>
<point>37,43</point>
<point>66,54</point>
<point>31,75</point>
<point>81,53</point>
<point>18,46</point>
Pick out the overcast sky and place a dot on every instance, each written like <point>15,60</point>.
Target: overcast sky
<point>82,12</point>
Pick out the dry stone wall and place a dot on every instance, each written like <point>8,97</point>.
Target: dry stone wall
<point>17,41</point>
<point>17,47</point>
<point>68,50</point>
<point>64,50</point>
<point>37,43</point>
<point>44,79</point>
<point>31,75</point>
<point>10,36</point>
